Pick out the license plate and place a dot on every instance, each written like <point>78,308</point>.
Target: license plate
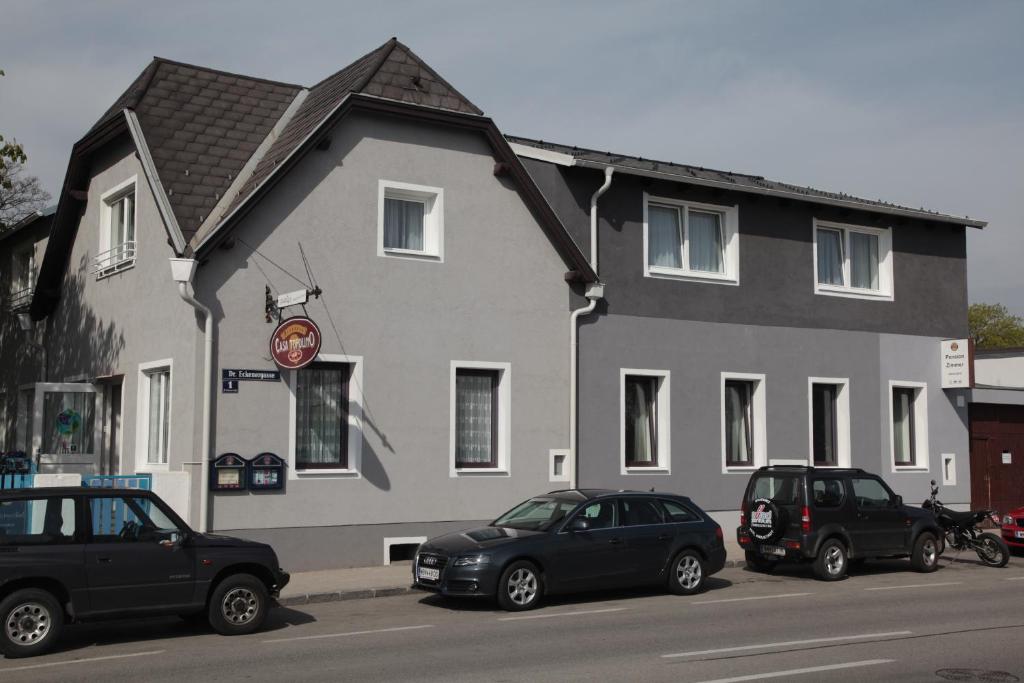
<point>773,550</point>
<point>428,574</point>
<point>1019,534</point>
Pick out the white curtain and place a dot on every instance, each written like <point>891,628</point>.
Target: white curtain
<point>640,420</point>
<point>738,423</point>
<point>705,234</point>
<point>830,257</point>
<point>664,237</point>
<point>159,415</point>
<point>864,260</point>
<point>403,224</point>
<point>474,418</point>
<point>320,417</point>
<point>903,425</point>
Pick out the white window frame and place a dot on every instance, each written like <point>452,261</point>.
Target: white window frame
<point>885,291</point>
<point>921,459</point>
<point>432,199</point>
<point>730,243</point>
<point>664,416</point>
<point>104,266</point>
<point>504,467</point>
<point>566,474</point>
<point>354,436</point>
<point>842,421</point>
<point>146,370</point>
<point>29,274</point>
<point>759,415</point>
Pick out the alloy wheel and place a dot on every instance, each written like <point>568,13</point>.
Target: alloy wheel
<point>929,552</point>
<point>688,572</point>
<point>240,606</point>
<point>27,624</point>
<point>522,586</point>
<point>834,561</point>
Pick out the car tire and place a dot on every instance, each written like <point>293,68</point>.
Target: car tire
<point>520,587</point>
<point>759,563</point>
<point>686,574</point>
<point>238,605</point>
<point>32,623</point>
<point>925,555</point>
<point>832,561</point>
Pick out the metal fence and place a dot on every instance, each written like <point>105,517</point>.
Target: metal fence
<point>119,481</point>
<point>16,481</point>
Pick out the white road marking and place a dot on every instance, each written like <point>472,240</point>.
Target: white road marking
<point>1016,578</point>
<point>82,661</point>
<point>756,597</point>
<point>810,641</point>
<point>350,633</point>
<point>796,672</point>
<point>915,585</point>
<point>564,614</point>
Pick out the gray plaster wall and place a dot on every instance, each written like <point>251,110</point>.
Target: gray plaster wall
<point>776,274</point>
<point>498,296</point>
<point>696,353</point>
<point>107,327</point>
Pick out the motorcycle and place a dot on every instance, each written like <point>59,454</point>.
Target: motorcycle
<point>962,533</point>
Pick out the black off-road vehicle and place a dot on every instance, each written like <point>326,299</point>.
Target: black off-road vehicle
<point>81,554</point>
<point>831,517</point>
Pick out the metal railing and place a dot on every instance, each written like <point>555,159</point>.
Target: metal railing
<point>114,260</point>
<point>20,298</point>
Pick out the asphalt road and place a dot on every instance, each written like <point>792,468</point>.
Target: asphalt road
<point>883,623</point>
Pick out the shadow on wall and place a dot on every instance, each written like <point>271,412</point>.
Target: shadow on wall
<point>79,342</point>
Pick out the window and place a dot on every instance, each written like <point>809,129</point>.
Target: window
<point>69,419</point>
<point>37,521</point>
<point>852,260</point>
<point>23,420</point>
<point>677,512</point>
<point>641,512</point>
<point>870,493</point>
<point>602,515</point>
<point>153,406</point>
<point>22,278</point>
<point>744,443</point>
<point>686,240</point>
<point>538,514</point>
<point>480,418</point>
<point>645,421</point>
<point>909,427</point>
<point>559,465</point>
<point>827,493</point>
<point>117,230</point>
<point>829,408</point>
<point>130,519</point>
<point>779,488</point>
<point>4,429</point>
<point>410,220</point>
<point>321,404</point>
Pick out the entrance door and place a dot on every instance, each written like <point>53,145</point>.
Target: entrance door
<point>110,449</point>
<point>997,456</point>
<point>65,431</point>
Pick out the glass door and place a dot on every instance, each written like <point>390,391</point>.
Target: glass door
<point>65,432</point>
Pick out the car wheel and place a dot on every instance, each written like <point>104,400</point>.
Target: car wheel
<point>520,587</point>
<point>686,574</point>
<point>759,563</point>
<point>238,605</point>
<point>831,563</point>
<point>925,556</point>
<point>32,622</point>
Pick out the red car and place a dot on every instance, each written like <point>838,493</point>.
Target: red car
<point>1013,529</point>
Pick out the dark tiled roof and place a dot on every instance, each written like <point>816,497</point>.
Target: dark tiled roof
<point>742,182</point>
<point>391,71</point>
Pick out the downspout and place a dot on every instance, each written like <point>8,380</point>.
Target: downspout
<point>595,292</point>
<point>183,271</point>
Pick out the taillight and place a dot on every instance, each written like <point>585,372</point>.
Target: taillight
<point>805,520</point>
<point>718,533</point>
<point>743,513</point>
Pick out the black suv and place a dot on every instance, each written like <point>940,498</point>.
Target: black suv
<point>831,517</point>
<point>79,554</point>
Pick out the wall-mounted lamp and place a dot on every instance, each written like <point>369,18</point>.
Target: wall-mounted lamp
<point>25,322</point>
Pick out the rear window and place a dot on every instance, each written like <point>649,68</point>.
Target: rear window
<point>783,489</point>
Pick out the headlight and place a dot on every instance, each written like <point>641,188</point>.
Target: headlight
<point>1008,520</point>
<point>472,561</point>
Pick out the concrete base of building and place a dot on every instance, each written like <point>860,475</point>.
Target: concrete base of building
<point>304,549</point>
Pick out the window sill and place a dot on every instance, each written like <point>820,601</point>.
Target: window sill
<point>663,273</point>
<point>481,472</point>
<point>646,470</point>
<point>411,255</point>
<point>114,268</point>
<point>909,468</point>
<point>739,469</point>
<point>852,293</point>
<point>314,473</point>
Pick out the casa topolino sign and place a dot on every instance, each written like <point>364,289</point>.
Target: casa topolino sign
<point>957,357</point>
<point>295,343</point>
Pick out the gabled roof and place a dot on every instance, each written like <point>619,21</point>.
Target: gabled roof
<point>741,182</point>
<point>34,219</point>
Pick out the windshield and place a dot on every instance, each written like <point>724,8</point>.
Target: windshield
<point>536,514</point>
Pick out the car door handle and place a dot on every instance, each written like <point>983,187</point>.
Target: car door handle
<point>664,537</point>
<point>615,541</point>
<point>103,560</point>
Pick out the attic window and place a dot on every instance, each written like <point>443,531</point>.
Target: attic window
<point>410,221</point>
<point>116,251</point>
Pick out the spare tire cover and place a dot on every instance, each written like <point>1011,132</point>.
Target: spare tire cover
<point>766,520</point>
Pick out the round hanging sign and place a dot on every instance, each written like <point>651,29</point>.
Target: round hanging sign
<point>295,343</point>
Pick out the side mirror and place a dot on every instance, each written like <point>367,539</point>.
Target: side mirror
<point>579,524</point>
<point>898,501</point>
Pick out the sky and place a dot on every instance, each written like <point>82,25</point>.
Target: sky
<point>918,103</point>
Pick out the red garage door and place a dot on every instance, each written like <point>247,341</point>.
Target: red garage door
<point>997,430</point>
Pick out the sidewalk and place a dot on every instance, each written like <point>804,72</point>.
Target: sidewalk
<point>358,583</point>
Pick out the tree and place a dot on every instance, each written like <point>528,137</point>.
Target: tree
<point>20,194</point>
<point>993,327</point>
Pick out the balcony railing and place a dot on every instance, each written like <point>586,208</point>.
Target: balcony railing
<point>21,297</point>
<point>114,260</point>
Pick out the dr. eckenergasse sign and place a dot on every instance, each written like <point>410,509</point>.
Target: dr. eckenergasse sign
<point>955,357</point>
